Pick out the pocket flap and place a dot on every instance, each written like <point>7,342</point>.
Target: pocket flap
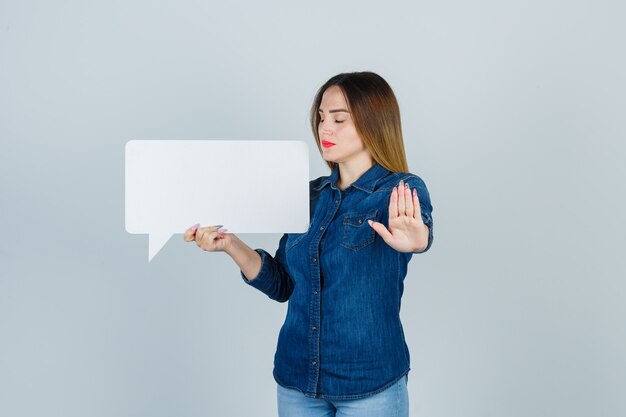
<point>357,219</point>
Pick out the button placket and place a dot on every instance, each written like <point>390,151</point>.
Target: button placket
<point>315,300</point>
<point>315,306</point>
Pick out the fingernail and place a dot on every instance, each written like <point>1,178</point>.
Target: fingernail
<point>218,225</point>
<point>195,226</point>
<point>370,222</point>
<point>221,230</point>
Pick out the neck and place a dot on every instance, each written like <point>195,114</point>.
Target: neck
<point>349,172</point>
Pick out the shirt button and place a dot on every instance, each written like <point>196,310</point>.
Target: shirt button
<point>360,221</point>
<point>315,292</point>
<point>314,260</point>
<point>314,328</point>
<point>322,228</point>
<point>337,201</point>
<point>313,363</point>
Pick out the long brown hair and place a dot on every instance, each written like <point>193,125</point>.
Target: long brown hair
<point>375,113</point>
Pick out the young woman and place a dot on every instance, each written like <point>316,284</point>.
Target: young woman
<point>341,350</point>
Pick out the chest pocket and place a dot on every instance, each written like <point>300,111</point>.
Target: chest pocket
<point>357,233</point>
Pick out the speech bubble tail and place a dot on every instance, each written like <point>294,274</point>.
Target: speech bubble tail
<point>156,241</point>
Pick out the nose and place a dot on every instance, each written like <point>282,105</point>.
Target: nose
<point>325,130</point>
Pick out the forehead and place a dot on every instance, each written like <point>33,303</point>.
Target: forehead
<point>333,98</point>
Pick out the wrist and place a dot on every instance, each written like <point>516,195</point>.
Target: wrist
<point>423,241</point>
<point>232,247</point>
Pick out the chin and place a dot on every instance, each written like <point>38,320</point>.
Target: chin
<point>327,157</point>
<point>330,158</point>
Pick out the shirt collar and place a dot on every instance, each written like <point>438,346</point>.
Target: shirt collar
<point>365,182</point>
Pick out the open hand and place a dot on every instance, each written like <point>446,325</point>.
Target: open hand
<point>407,231</point>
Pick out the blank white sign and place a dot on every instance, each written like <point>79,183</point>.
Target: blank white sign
<point>259,186</point>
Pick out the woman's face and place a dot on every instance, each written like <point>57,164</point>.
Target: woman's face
<point>336,128</point>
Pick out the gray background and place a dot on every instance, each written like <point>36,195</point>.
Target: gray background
<point>513,114</point>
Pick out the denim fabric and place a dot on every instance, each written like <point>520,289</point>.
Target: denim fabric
<point>392,402</point>
<point>342,337</point>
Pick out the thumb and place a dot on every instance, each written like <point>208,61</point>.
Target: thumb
<point>380,229</point>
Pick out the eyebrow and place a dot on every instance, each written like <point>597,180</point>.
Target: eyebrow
<point>334,110</point>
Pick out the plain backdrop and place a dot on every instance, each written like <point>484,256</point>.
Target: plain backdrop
<point>513,115</point>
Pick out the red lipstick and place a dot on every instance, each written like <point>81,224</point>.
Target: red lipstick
<point>327,144</point>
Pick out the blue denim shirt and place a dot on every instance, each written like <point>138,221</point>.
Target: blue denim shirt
<point>342,337</point>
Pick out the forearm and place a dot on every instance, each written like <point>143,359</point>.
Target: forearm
<point>248,260</point>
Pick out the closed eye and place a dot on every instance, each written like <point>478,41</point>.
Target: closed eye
<point>336,121</point>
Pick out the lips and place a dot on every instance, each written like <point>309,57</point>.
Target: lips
<point>327,144</point>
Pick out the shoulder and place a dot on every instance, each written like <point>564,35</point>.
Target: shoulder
<point>393,179</point>
<point>316,184</point>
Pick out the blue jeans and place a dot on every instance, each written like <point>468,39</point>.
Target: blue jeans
<point>392,402</point>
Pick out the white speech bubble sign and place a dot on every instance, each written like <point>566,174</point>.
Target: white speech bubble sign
<point>248,186</point>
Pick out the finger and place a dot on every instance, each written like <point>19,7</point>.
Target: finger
<point>418,209</point>
<point>393,204</point>
<point>408,200</point>
<point>381,230</point>
<point>189,233</point>
<point>200,235</point>
<point>401,202</point>
<point>204,232</point>
<point>207,237</point>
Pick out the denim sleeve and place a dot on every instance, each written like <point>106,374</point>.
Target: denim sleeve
<point>426,207</point>
<point>273,278</point>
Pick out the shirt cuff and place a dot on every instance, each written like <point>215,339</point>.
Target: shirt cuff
<point>263,279</point>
